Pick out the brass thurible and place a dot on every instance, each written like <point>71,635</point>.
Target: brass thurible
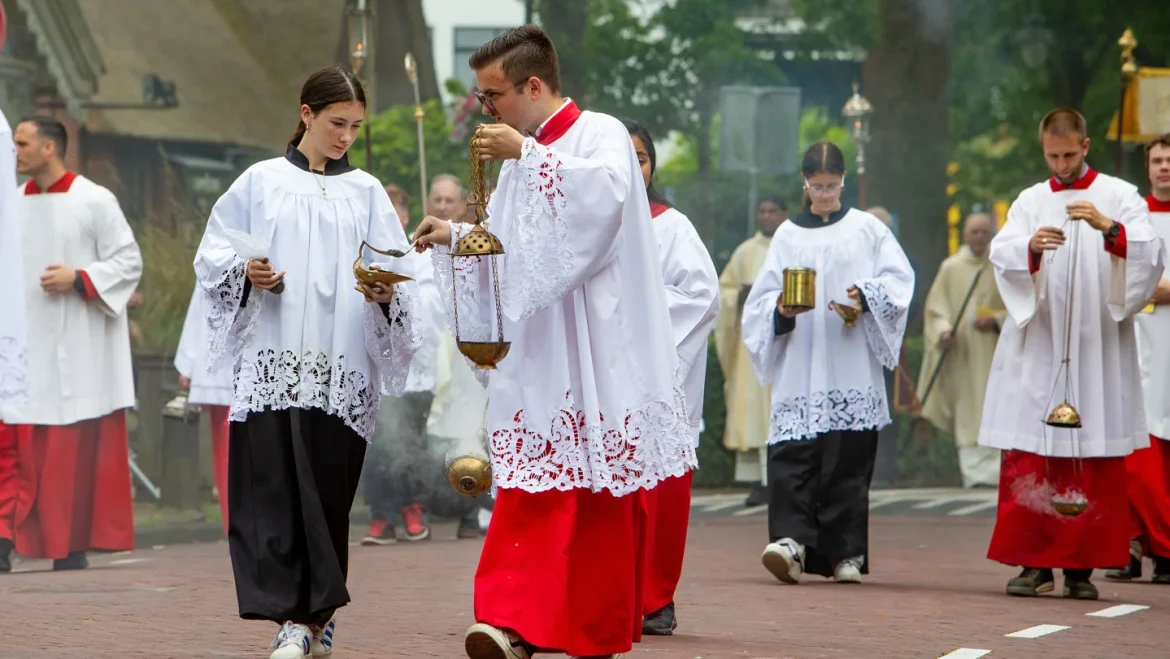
<point>480,243</point>
<point>800,288</point>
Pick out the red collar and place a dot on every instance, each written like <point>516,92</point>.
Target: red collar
<point>657,209</point>
<point>1157,205</point>
<point>61,185</point>
<point>559,124</point>
<point>1082,183</point>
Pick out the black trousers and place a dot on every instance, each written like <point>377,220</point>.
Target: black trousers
<point>398,465</point>
<point>818,495</point>
<point>292,478</point>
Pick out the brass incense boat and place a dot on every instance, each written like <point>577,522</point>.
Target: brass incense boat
<point>848,312</point>
<point>800,288</point>
<point>371,276</point>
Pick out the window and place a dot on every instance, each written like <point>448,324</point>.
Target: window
<point>467,39</point>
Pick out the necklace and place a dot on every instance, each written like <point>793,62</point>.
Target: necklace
<point>320,184</point>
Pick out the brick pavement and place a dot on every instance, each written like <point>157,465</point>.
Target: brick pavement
<point>932,592</point>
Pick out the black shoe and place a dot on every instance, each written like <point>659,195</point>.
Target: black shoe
<point>1077,585</point>
<point>1031,582</point>
<point>1129,572</point>
<point>469,529</point>
<point>5,555</point>
<point>75,561</point>
<point>660,623</point>
<point>1161,570</point>
<point>757,497</point>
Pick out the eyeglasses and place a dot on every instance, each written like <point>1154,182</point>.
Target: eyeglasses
<point>830,189</point>
<point>488,97</point>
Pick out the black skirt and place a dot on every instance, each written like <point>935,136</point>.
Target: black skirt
<point>819,496</point>
<point>292,478</point>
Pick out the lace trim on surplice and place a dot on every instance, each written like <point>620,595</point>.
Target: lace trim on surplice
<point>13,371</point>
<point>805,417</point>
<point>392,339</point>
<point>885,324</point>
<point>621,454</point>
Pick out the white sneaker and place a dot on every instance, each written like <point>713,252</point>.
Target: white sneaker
<point>291,642</point>
<point>483,641</point>
<point>322,644</point>
<point>785,560</point>
<point>848,570</point>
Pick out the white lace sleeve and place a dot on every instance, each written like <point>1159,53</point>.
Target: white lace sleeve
<point>888,294</point>
<point>465,287</point>
<point>231,319</point>
<point>392,339</point>
<point>552,192</point>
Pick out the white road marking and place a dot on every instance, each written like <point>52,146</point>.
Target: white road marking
<point>966,653</point>
<point>128,561</point>
<point>873,505</point>
<point>1037,631</point>
<point>937,503</point>
<point>973,508</point>
<point>721,506</point>
<point>1117,611</point>
<point>751,511</point>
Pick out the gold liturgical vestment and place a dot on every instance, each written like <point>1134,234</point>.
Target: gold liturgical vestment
<point>955,404</point>
<point>748,404</point>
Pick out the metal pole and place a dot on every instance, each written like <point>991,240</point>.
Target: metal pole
<point>412,73</point>
<point>753,201</point>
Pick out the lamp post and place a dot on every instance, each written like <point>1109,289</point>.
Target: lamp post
<point>412,73</point>
<point>1129,69</point>
<point>359,20</point>
<point>857,111</point>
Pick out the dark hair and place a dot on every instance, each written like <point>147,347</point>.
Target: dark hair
<point>1161,140</point>
<point>775,199</point>
<point>49,129</point>
<point>638,129</point>
<point>1063,122</point>
<point>324,88</point>
<point>821,158</point>
<point>523,52</point>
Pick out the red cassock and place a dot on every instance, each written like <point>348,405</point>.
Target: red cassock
<point>1030,533</point>
<point>67,488</point>
<point>563,569</point>
<point>669,514</point>
<point>220,426</point>
<point>1149,496</point>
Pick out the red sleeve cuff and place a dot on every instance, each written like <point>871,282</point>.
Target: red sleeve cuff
<point>90,292</point>
<point>1117,246</point>
<point>1034,261</point>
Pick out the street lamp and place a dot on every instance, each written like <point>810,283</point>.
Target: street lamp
<point>1129,68</point>
<point>857,111</point>
<point>359,20</point>
<point>412,73</point>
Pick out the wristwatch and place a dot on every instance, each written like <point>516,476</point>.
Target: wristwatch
<point>1113,231</point>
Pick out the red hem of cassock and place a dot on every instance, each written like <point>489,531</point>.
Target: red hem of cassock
<point>563,569</point>
<point>669,515</point>
<point>1030,533</point>
<point>9,480</point>
<point>220,430</point>
<point>74,488</point>
<point>1149,497</point>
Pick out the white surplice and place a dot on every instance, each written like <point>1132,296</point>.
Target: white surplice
<point>78,350</point>
<point>318,344</point>
<point>207,387</point>
<point>826,376</point>
<point>692,296</point>
<point>13,331</point>
<point>1153,339</point>
<point>585,398</point>
<point>431,324</point>
<point>1023,386</point>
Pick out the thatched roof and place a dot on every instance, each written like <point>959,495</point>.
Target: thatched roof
<point>237,65</point>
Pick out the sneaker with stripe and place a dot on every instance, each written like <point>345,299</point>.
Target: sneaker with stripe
<point>291,642</point>
<point>322,645</point>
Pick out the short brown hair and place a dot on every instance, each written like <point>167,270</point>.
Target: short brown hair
<point>1161,140</point>
<point>398,195</point>
<point>523,52</point>
<point>1063,122</point>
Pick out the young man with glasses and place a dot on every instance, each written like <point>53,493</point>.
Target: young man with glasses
<point>583,417</point>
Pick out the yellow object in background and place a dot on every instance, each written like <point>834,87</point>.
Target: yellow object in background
<point>953,229</point>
